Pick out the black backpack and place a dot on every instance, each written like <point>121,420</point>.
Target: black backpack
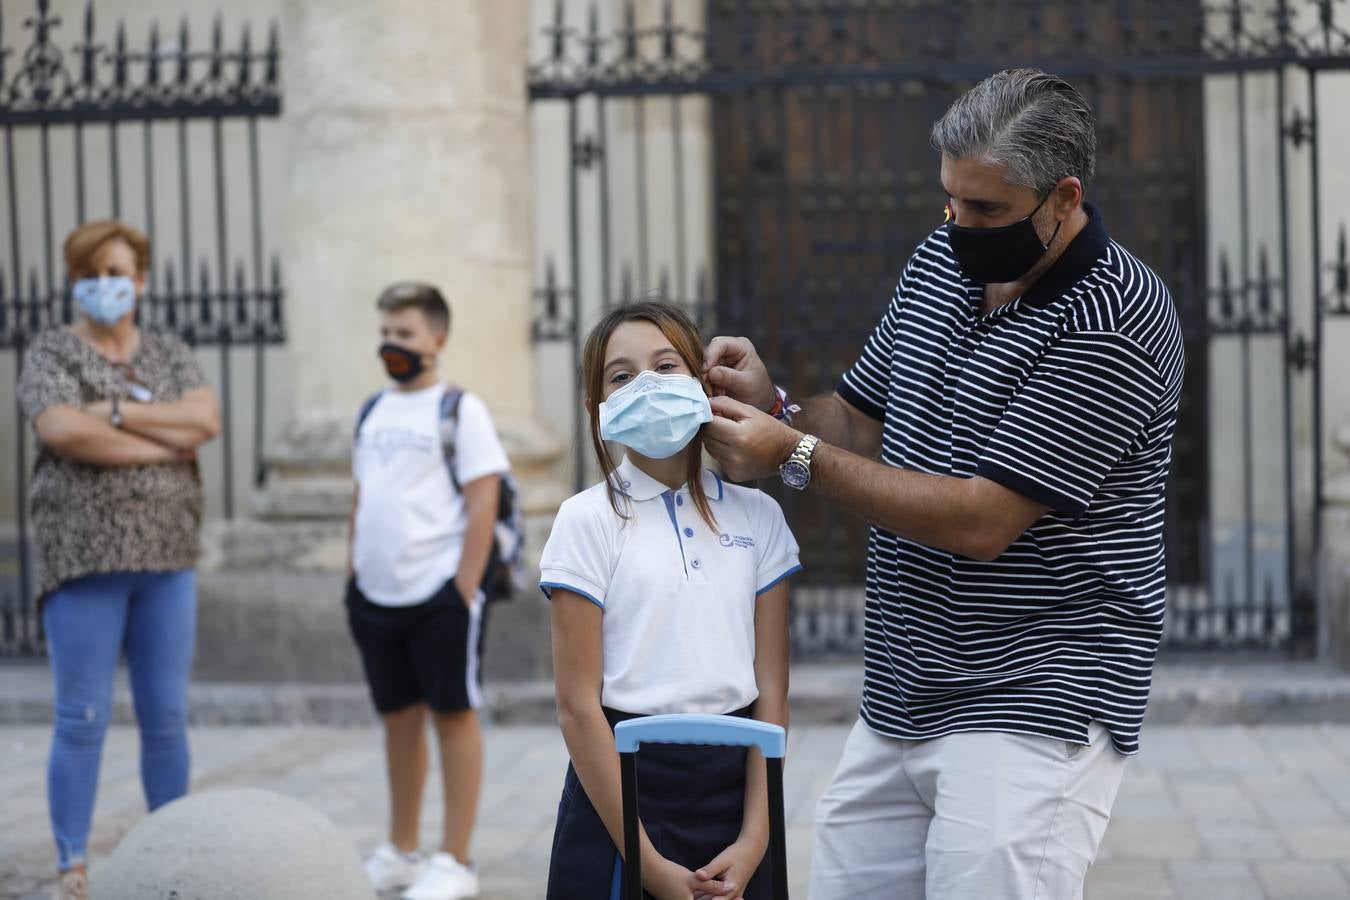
<point>505,571</point>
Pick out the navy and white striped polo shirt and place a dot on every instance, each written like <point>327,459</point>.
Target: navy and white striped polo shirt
<point>1067,395</point>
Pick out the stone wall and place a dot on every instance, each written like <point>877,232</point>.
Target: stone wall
<point>1335,600</point>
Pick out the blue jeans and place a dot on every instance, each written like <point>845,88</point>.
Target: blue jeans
<point>90,622</point>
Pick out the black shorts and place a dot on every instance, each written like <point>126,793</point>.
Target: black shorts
<point>427,653</point>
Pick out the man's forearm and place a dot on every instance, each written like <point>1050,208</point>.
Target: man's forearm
<point>827,418</point>
<point>935,510</point>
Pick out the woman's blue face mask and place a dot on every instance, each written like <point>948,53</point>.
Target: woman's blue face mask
<point>655,415</point>
<point>105,300</point>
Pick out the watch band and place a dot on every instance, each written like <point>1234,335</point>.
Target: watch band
<point>806,447</point>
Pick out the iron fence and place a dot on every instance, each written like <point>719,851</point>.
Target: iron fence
<point>169,137</point>
<point>816,117</point>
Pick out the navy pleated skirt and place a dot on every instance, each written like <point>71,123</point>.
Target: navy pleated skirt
<point>690,799</point>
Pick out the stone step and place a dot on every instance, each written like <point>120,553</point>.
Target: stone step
<point>1338,490</point>
<point>312,497</point>
<point>824,693</point>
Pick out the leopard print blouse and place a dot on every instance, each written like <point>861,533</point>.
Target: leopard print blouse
<point>92,519</point>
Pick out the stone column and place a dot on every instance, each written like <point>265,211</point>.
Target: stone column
<point>1335,600</point>
<point>408,158</point>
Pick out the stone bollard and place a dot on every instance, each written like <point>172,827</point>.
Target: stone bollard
<point>228,844</point>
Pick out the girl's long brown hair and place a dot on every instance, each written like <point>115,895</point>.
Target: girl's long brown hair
<point>683,335</point>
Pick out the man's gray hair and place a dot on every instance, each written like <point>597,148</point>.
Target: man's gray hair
<point>1037,125</point>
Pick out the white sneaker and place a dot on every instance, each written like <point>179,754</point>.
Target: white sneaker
<point>445,878</point>
<point>389,867</point>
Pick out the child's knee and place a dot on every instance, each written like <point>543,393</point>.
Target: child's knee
<point>457,721</point>
<point>408,719</point>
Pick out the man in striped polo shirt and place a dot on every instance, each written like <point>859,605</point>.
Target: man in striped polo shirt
<point>1007,432</point>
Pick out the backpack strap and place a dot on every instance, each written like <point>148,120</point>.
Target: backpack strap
<point>364,414</point>
<point>449,426</point>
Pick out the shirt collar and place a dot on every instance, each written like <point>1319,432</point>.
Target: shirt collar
<point>639,486</point>
<point>1075,262</point>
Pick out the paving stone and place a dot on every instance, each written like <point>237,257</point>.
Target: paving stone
<point>1146,796</point>
<point>1222,841</point>
<point>1149,841</point>
<point>1171,750</point>
<point>1129,881</point>
<point>1303,881</point>
<point>1217,802</point>
<point>1213,878</point>
<point>1335,787</point>
<point>1291,799</point>
<point>1325,842</point>
<point>1302,748</point>
<point>1180,822</point>
<point>1233,748</point>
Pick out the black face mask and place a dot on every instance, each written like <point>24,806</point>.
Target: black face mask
<point>999,255</point>
<point>401,363</point>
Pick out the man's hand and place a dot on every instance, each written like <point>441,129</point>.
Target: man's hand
<point>735,370</point>
<point>748,443</point>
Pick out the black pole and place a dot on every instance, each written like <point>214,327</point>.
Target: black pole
<point>27,632</point>
<point>777,828</point>
<point>48,250</point>
<point>606,264</point>
<point>115,170</point>
<point>79,172</point>
<point>225,325</point>
<point>574,251</point>
<point>640,177</point>
<point>632,845</point>
<point>1286,297</point>
<point>259,335</point>
<point>1305,622</point>
<point>1248,596</point>
<point>148,167</point>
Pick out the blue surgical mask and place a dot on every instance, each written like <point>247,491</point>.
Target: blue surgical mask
<point>105,300</point>
<point>655,415</point>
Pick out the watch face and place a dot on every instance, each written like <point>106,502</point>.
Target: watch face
<point>795,474</point>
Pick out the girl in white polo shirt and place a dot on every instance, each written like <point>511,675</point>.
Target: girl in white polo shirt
<point>669,595</point>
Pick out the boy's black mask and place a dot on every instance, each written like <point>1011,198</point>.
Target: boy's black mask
<point>401,363</point>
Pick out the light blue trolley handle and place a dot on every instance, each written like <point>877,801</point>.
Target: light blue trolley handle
<point>724,731</point>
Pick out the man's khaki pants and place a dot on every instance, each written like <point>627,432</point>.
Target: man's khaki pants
<point>971,816</point>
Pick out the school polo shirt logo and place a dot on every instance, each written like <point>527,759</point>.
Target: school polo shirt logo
<point>738,540</point>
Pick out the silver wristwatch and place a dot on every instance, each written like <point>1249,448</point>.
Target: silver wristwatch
<point>796,472</point>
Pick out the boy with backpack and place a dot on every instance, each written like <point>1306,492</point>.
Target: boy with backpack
<point>432,489</point>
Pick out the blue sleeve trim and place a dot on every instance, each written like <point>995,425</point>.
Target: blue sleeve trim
<point>788,574</point>
<point>548,586</point>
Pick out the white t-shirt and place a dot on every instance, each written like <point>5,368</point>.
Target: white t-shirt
<point>410,521</point>
<point>678,597</point>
